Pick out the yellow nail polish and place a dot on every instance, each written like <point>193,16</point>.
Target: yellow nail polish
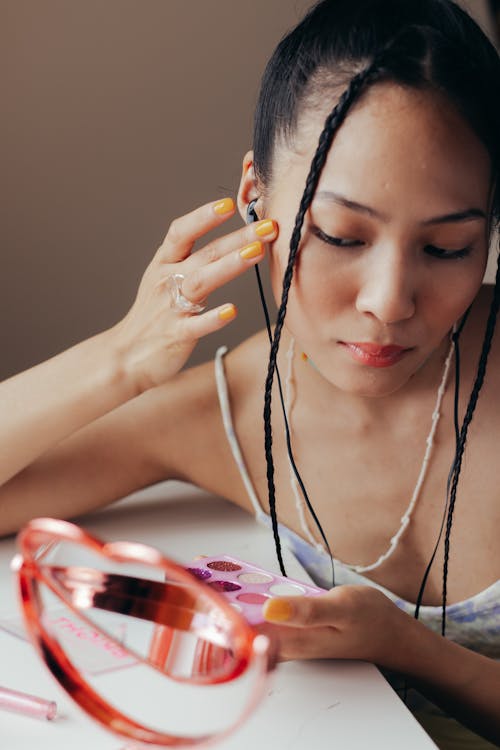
<point>227,312</point>
<point>265,228</point>
<point>277,610</point>
<point>251,251</point>
<point>225,206</point>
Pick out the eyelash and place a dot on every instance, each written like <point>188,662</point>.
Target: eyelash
<point>435,252</point>
<point>335,241</point>
<point>438,252</point>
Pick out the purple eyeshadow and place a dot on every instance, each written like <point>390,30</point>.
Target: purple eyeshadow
<point>200,573</point>
<point>223,566</point>
<point>224,586</point>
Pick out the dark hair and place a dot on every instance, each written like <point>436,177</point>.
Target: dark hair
<point>351,45</point>
<point>420,43</point>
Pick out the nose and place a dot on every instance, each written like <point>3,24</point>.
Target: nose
<point>387,291</point>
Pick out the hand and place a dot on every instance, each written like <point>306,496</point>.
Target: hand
<point>348,622</point>
<point>360,622</point>
<point>153,341</point>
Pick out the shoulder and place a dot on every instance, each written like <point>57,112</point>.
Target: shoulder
<point>481,467</point>
<point>187,435</point>
<point>195,389</point>
<point>245,369</point>
<point>191,398</point>
<point>472,364</point>
<point>249,359</point>
<point>183,412</point>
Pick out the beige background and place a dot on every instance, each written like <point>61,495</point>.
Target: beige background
<point>117,116</point>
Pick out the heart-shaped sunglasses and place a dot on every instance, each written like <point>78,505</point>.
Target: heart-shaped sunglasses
<point>142,645</point>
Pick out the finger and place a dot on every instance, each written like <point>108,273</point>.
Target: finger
<point>294,642</point>
<point>301,643</point>
<point>201,282</point>
<point>194,327</point>
<point>185,230</point>
<point>304,611</point>
<point>263,231</point>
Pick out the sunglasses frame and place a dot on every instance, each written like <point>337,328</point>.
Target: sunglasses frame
<point>249,648</point>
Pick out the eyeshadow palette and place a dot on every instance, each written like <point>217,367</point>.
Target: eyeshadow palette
<point>247,586</point>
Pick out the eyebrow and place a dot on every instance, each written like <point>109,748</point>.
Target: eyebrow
<point>469,214</point>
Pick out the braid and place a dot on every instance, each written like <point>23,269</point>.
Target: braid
<point>457,464</point>
<point>332,124</point>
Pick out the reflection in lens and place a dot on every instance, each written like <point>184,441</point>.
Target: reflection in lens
<point>147,646</point>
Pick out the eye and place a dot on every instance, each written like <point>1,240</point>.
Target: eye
<point>336,241</point>
<point>440,252</point>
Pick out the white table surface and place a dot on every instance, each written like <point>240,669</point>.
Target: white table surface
<point>315,704</point>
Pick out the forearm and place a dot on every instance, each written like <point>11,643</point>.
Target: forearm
<point>461,682</point>
<point>49,402</point>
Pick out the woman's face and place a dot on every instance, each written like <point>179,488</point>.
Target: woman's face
<point>395,243</point>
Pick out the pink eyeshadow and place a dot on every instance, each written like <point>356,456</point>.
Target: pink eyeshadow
<point>250,598</point>
<point>223,565</point>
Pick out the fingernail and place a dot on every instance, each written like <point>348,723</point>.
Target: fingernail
<point>277,610</point>
<point>265,228</point>
<point>225,206</point>
<point>227,312</point>
<point>251,251</point>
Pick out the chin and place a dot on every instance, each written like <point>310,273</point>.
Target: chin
<point>373,389</point>
<point>369,382</point>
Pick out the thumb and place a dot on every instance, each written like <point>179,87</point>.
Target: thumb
<point>300,610</point>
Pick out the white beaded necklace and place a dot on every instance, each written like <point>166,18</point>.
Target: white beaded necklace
<point>405,519</point>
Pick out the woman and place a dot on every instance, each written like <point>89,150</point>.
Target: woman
<point>381,292</point>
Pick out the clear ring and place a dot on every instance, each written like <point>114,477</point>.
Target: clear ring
<point>178,301</point>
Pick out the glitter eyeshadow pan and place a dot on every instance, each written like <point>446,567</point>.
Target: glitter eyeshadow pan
<point>246,586</point>
<point>224,585</point>
<point>200,573</point>
<point>223,565</point>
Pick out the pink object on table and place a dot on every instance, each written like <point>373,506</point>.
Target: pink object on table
<point>29,705</point>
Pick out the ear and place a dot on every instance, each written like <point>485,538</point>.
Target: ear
<point>249,189</point>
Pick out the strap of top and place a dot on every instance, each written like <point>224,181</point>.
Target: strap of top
<point>225,408</point>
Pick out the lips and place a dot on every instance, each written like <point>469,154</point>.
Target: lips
<point>375,355</point>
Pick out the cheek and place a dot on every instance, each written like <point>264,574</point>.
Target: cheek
<point>449,295</point>
<point>321,283</point>
<point>321,292</point>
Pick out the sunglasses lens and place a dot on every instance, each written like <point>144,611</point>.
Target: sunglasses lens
<point>155,648</point>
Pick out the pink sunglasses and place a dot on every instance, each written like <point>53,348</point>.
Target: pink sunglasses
<point>144,647</point>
